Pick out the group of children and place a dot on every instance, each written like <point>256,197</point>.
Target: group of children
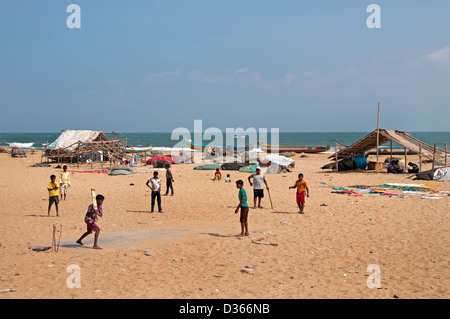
<point>218,176</point>
<point>258,193</point>
<point>56,189</point>
<point>257,180</point>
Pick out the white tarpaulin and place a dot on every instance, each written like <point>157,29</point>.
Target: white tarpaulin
<point>70,137</point>
<point>442,174</point>
<point>279,160</point>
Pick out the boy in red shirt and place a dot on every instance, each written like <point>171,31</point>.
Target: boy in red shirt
<point>302,190</point>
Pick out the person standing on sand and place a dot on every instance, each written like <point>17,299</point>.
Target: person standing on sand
<point>156,190</point>
<point>64,180</point>
<point>53,194</point>
<point>258,186</point>
<point>169,179</point>
<point>244,209</point>
<point>90,219</point>
<point>302,189</point>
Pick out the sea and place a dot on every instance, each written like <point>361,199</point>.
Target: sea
<point>163,141</point>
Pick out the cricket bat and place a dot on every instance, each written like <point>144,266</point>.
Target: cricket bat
<point>94,201</point>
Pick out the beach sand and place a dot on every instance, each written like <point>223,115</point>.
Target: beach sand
<point>190,250</point>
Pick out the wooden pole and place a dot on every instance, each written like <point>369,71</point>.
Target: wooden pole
<point>79,159</point>
<point>352,160</point>
<point>406,159</point>
<point>336,157</point>
<point>92,155</point>
<point>378,133</point>
<point>391,153</point>
<point>445,158</point>
<point>271,205</point>
<point>434,155</point>
<point>420,158</point>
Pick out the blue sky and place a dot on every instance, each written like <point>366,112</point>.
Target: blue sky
<point>143,66</point>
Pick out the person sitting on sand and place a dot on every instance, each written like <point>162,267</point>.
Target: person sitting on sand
<point>394,167</point>
<point>90,220</point>
<point>244,208</point>
<point>53,194</point>
<point>217,175</point>
<point>414,168</point>
<point>228,179</point>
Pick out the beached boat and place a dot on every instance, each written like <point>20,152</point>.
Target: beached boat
<point>296,149</point>
<point>201,147</point>
<point>139,149</point>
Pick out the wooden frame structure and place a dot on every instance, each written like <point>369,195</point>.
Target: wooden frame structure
<point>94,145</point>
<point>381,136</point>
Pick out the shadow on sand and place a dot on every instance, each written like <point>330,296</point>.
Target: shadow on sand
<point>138,211</point>
<point>278,212</point>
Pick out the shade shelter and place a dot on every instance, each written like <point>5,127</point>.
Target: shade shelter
<point>382,136</point>
<point>81,145</point>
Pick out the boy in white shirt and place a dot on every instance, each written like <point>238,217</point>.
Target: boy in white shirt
<point>156,190</point>
<point>259,181</point>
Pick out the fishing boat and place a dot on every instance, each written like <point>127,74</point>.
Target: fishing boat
<point>201,147</point>
<point>296,149</point>
<point>139,149</point>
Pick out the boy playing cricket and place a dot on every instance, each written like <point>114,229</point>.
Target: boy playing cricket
<point>302,190</point>
<point>90,219</point>
<point>53,193</point>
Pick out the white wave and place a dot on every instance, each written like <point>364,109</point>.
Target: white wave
<point>21,145</point>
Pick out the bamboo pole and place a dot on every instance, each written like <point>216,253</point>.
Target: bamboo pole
<point>336,157</point>
<point>352,160</point>
<point>378,134</point>
<point>420,158</point>
<point>406,160</point>
<point>445,158</point>
<point>434,155</point>
<point>79,159</point>
<point>92,156</point>
<point>391,153</point>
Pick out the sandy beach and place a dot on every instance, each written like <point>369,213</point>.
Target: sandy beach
<point>191,251</point>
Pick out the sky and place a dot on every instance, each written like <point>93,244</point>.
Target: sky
<point>154,66</point>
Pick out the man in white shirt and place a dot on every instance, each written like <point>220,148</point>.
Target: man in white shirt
<point>258,186</point>
<point>156,190</point>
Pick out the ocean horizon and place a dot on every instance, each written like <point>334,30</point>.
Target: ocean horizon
<point>29,140</point>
